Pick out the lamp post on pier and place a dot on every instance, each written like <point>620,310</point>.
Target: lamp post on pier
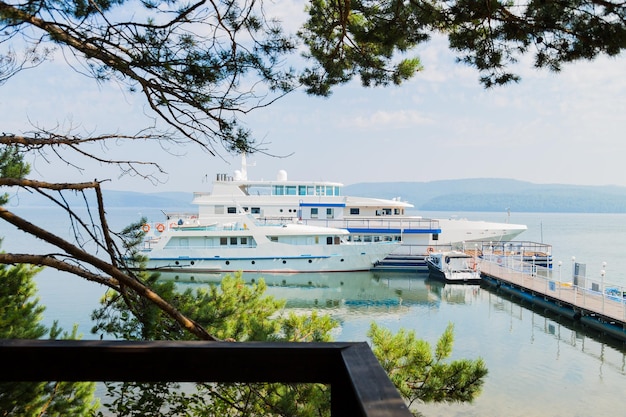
<point>560,265</point>
<point>602,273</point>
<point>574,280</point>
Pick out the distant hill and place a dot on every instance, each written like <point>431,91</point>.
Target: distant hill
<point>164,200</point>
<point>498,195</point>
<point>489,194</point>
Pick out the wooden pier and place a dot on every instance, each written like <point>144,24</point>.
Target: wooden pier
<point>590,301</point>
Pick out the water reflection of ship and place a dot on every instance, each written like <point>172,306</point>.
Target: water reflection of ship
<point>347,290</point>
<point>453,293</point>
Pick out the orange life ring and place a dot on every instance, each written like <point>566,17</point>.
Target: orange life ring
<point>430,249</point>
<point>145,228</point>
<point>160,227</point>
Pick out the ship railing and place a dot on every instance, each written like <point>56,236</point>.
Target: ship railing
<point>423,249</point>
<point>385,223</point>
<point>358,384</point>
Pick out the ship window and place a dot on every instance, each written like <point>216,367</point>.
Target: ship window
<point>396,211</point>
<point>329,240</point>
<point>367,238</point>
<point>290,190</point>
<point>355,210</point>
<point>435,236</point>
<point>244,240</point>
<point>274,238</point>
<point>319,190</point>
<point>329,190</point>
<point>330,213</point>
<point>232,210</point>
<point>314,213</point>
<point>233,240</point>
<point>279,190</point>
<point>223,241</point>
<point>256,210</point>
<point>387,212</point>
<point>310,190</point>
<point>301,189</point>
<point>337,240</point>
<point>317,240</point>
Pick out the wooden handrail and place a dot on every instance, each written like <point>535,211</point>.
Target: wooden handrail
<point>359,385</point>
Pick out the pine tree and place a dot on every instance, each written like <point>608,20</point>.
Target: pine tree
<point>20,317</point>
<point>420,373</point>
<point>236,311</point>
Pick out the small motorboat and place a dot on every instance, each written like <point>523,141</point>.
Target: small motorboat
<point>453,266</point>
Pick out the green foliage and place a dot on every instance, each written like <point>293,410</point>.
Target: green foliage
<point>20,312</point>
<point>420,373</point>
<point>348,38</point>
<point>20,316</point>
<point>132,237</point>
<point>12,166</point>
<point>311,327</point>
<point>201,66</point>
<point>233,311</point>
<point>12,163</point>
<point>367,37</point>
<point>129,316</point>
<point>192,61</point>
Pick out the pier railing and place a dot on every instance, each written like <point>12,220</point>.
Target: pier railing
<point>358,384</point>
<point>592,294</point>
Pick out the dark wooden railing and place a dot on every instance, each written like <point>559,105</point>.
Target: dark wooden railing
<point>359,385</point>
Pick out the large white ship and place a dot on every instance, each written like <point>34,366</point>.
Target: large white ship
<point>322,203</point>
<point>243,243</point>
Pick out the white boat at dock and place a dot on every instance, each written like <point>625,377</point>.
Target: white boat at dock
<point>322,203</point>
<point>243,243</point>
<point>453,267</point>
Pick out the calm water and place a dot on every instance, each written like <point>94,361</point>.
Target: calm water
<point>538,365</point>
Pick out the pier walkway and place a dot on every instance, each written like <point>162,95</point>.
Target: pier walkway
<point>589,300</point>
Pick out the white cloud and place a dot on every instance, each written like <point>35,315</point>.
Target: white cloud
<point>387,120</point>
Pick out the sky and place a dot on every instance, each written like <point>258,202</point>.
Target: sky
<point>565,128</point>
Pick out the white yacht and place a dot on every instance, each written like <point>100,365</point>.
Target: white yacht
<point>243,243</point>
<point>322,203</point>
<point>454,267</point>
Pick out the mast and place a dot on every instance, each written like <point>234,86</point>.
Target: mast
<point>244,167</point>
